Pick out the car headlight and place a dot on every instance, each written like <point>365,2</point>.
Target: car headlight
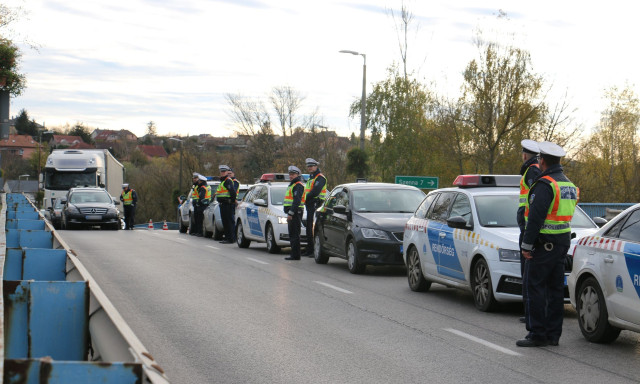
<point>509,255</point>
<point>282,219</point>
<point>112,211</point>
<point>73,210</point>
<point>371,233</point>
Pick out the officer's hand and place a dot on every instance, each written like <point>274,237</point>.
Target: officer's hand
<point>289,218</point>
<point>527,254</point>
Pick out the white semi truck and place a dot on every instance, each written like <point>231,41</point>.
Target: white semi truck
<point>68,168</point>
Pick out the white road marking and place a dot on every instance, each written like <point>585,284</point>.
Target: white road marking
<point>212,247</point>
<point>181,239</point>
<point>483,342</point>
<point>333,287</point>
<point>257,261</point>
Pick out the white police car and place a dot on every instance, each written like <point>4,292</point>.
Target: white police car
<point>186,208</point>
<point>212,222</point>
<point>604,284</point>
<point>260,217</point>
<point>467,237</point>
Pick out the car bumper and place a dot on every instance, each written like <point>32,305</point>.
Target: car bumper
<point>380,252</point>
<point>93,219</point>
<point>509,287</point>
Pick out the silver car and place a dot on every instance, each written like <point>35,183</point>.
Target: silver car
<point>213,222</point>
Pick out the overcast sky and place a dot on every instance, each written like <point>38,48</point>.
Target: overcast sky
<point>118,64</point>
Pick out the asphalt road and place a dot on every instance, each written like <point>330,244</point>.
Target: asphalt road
<point>215,313</point>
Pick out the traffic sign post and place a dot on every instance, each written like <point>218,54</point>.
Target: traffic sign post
<point>422,182</point>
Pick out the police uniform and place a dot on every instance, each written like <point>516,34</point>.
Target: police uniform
<point>129,198</point>
<point>226,196</point>
<point>315,192</point>
<point>530,170</point>
<point>194,201</point>
<point>293,206</point>
<point>203,192</point>
<point>547,236</point>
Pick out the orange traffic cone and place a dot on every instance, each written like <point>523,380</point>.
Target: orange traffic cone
<point>164,226</point>
<point>150,224</point>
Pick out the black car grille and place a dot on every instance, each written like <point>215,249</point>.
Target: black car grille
<point>93,211</point>
<point>398,235</point>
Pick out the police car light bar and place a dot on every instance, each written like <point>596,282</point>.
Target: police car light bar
<point>476,181</point>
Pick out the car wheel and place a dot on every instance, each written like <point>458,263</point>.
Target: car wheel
<point>354,264</point>
<point>417,282</point>
<point>593,316</point>
<point>242,241</point>
<point>183,228</point>
<point>66,224</point>
<point>272,247</point>
<point>217,234</point>
<point>319,256</point>
<point>481,286</point>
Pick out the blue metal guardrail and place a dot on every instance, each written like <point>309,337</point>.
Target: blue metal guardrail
<point>57,324</point>
<point>600,209</point>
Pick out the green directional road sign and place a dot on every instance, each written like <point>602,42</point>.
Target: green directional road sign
<point>422,182</point>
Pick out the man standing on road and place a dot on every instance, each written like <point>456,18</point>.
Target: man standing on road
<point>315,192</point>
<point>530,170</point>
<point>547,236</point>
<point>204,197</point>
<point>129,198</point>
<point>195,178</point>
<point>226,196</point>
<point>293,206</point>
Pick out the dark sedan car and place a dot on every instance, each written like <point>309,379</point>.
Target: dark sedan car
<point>90,206</point>
<point>364,223</point>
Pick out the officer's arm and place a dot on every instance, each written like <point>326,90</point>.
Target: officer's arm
<point>543,196</point>
<point>520,218</point>
<point>134,196</point>
<point>202,192</point>
<point>532,175</point>
<point>298,191</point>
<point>232,190</point>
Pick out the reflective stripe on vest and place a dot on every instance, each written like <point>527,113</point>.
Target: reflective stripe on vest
<point>222,191</point>
<point>127,197</point>
<point>560,213</point>
<point>288,197</point>
<point>194,193</point>
<point>524,188</point>
<point>309,186</point>
<point>207,194</point>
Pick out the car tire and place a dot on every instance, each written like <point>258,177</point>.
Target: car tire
<point>353,260</point>
<point>481,286</point>
<point>319,256</point>
<point>183,228</point>
<point>67,226</point>
<point>593,316</point>
<point>416,279</point>
<point>242,241</point>
<point>217,234</point>
<point>270,238</point>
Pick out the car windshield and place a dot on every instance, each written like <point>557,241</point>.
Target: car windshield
<point>500,211</point>
<point>241,193</point>
<point>89,197</point>
<point>277,195</point>
<point>57,204</point>
<point>387,200</point>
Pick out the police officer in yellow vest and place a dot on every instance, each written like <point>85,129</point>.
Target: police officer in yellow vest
<point>226,196</point>
<point>129,198</point>
<point>293,206</point>
<point>195,178</point>
<point>315,192</point>
<point>530,170</point>
<point>203,192</point>
<point>547,236</point>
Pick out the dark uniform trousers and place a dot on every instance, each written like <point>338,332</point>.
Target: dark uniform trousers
<point>227,211</point>
<point>544,308</point>
<point>294,232</point>
<point>129,216</point>
<point>311,211</point>
<point>198,218</point>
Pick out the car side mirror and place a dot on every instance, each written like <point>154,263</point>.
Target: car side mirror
<point>260,202</point>
<point>341,209</point>
<point>63,202</point>
<point>116,202</point>
<point>600,221</point>
<point>573,235</point>
<point>459,222</point>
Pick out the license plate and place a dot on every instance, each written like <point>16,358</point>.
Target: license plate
<point>565,280</point>
<point>93,217</point>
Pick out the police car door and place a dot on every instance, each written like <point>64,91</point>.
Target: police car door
<point>440,237</point>
<point>455,259</point>
<point>253,230</point>
<point>621,267</point>
<point>421,240</point>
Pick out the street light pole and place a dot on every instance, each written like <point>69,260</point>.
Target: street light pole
<point>363,100</point>
<point>179,181</point>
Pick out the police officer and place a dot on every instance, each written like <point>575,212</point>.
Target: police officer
<point>195,178</point>
<point>547,236</point>
<point>204,197</point>
<point>293,207</point>
<point>315,192</point>
<point>236,182</point>
<point>226,196</point>
<point>530,170</point>
<point>129,198</point>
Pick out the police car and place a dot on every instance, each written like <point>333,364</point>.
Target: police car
<point>604,284</point>
<point>212,223</point>
<point>467,237</point>
<point>185,209</point>
<point>260,217</point>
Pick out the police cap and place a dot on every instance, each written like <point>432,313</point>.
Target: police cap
<point>309,161</point>
<point>551,149</point>
<point>224,168</point>
<point>530,146</point>
<point>294,169</point>
<point>125,185</point>
<point>200,177</point>
<point>195,175</point>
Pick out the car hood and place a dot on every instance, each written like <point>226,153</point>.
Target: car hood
<point>393,222</point>
<point>94,205</point>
